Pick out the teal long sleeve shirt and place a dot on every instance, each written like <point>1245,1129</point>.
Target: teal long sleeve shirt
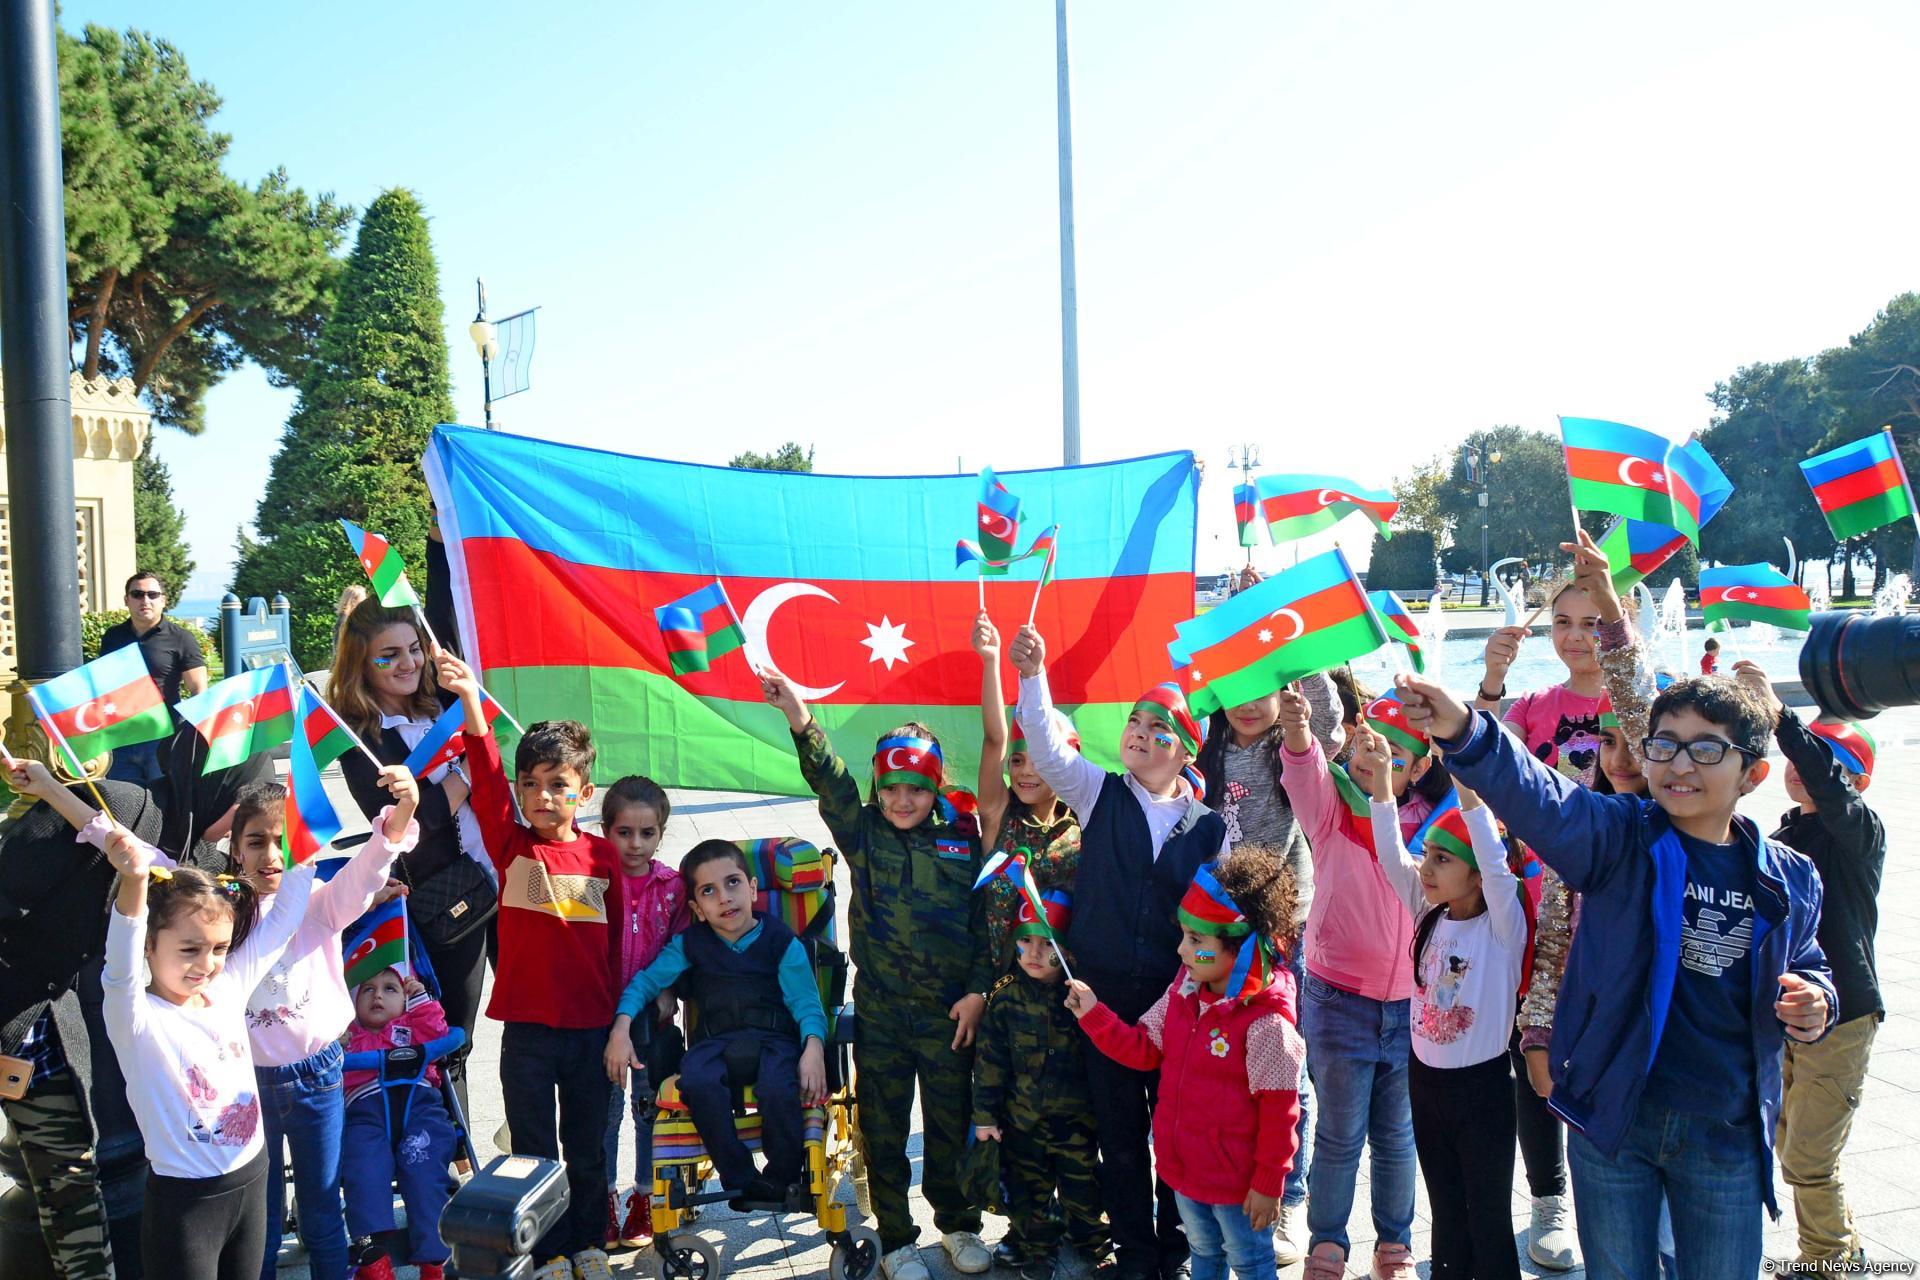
<point>797,986</point>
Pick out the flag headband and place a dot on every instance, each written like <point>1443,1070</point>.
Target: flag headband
<point>1166,702</point>
<point>914,762</point>
<point>1208,909</point>
<point>1017,740</point>
<point>1449,834</point>
<point>1388,715</point>
<point>1851,745</point>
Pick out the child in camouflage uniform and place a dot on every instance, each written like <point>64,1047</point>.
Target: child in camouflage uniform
<point>1030,1095</point>
<point>921,971</point>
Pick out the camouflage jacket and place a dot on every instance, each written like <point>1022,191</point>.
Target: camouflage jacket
<point>919,929</point>
<point>1028,1061</point>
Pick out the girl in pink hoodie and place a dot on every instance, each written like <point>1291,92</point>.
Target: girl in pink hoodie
<point>1229,1056</point>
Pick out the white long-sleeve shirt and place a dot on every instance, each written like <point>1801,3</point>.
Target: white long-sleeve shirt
<point>1468,980</point>
<point>302,1004</point>
<point>1077,780</point>
<point>189,1068</point>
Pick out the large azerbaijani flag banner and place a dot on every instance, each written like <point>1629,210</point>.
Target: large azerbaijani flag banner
<point>560,556</point>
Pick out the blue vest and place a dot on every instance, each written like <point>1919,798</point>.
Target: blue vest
<point>737,990</point>
<point>1123,935</point>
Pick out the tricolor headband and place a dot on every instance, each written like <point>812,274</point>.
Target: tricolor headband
<point>1017,739</point>
<point>1851,745</point>
<point>914,762</point>
<point>1388,715</point>
<point>1206,908</point>
<point>1166,702</point>
<point>1449,834</point>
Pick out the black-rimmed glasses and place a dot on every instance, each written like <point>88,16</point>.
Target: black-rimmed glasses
<point>1704,751</point>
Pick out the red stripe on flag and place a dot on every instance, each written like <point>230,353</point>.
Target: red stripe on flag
<point>1610,468</point>
<point>1284,506</point>
<point>1788,597</point>
<point>1324,608</point>
<point>1857,486</point>
<point>108,708</point>
<point>268,706</point>
<point>1106,637</point>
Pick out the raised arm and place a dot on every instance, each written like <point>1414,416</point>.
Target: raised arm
<point>1839,808</point>
<point>343,899</point>
<point>1324,722</point>
<point>1074,778</point>
<point>1400,867</point>
<point>1304,777</point>
<point>271,933</point>
<point>1506,913</point>
<point>991,785</point>
<point>824,771</point>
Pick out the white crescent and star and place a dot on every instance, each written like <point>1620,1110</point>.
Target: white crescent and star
<point>1299,623</point>
<point>893,758</point>
<point>1327,497</point>
<point>753,627</point>
<point>80,716</point>
<point>1655,478</point>
<point>996,525</point>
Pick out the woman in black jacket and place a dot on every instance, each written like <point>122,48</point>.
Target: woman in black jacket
<point>382,685</point>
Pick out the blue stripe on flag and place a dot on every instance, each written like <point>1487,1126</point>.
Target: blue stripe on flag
<point>1256,602</point>
<point>510,369</point>
<point>1847,459</point>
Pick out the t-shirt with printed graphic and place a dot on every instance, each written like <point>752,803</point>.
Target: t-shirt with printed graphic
<point>1562,729</point>
<point>1704,1064</point>
<point>559,957</point>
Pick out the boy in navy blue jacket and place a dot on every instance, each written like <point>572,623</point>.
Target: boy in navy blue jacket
<point>1697,951</point>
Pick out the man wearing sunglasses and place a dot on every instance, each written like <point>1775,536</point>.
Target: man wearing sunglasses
<point>1696,957</point>
<point>173,660</point>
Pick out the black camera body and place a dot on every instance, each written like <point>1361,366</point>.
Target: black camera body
<point>493,1222</point>
<point>1856,665</point>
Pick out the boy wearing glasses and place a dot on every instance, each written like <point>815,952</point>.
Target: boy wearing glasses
<point>1697,953</point>
<point>173,659</point>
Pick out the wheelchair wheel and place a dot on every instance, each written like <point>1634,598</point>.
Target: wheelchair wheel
<point>857,1257</point>
<point>685,1257</point>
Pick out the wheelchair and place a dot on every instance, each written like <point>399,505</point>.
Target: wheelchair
<point>796,887</point>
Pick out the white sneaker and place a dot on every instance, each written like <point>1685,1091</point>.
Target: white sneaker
<point>968,1251</point>
<point>1550,1241</point>
<point>904,1264</point>
<point>1287,1248</point>
<point>555,1268</point>
<point>591,1264</point>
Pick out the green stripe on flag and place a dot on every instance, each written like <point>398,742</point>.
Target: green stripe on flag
<point>153,723</point>
<point>230,749</point>
<point>1869,514</point>
<point>335,744</point>
<point>390,583</point>
<point>1634,503</point>
<point>1316,651</point>
<point>1721,617</point>
<point>388,955</point>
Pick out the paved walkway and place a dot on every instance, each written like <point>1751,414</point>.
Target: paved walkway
<point>1881,1166</point>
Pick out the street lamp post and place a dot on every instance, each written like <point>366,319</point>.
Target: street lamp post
<point>486,341</point>
<point>1480,469</point>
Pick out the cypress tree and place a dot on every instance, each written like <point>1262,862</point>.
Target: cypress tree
<point>159,543</point>
<point>371,397</point>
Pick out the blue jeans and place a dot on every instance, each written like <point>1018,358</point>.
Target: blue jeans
<point>376,1158</point>
<point>1296,1188</point>
<point>1357,1057</point>
<point>1221,1235</point>
<point>632,1092</point>
<point>138,764</point>
<point>1713,1175</point>
<point>303,1104</point>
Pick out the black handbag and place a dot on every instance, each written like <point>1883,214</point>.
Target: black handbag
<point>452,903</point>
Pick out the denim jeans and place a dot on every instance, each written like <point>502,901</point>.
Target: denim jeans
<point>1714,1177</point>
<point>631,1094</point>
<point>138,764</point>
<point>1357,1057</point>
<point>303,1103</point>
<point>1221,1235</point>
<point>1296,1188</point>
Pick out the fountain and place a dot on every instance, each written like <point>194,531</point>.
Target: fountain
<point>1504,591</point>
<point>1673,621</point>
<point>1647,618</point>
<point>1819,600</point>
<point>1433,641</point>
<point>1893,597</point>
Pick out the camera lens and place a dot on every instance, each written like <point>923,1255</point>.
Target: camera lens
<point>1857,666</point>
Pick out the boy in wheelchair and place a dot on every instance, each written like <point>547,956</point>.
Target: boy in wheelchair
<point>755,1016</point>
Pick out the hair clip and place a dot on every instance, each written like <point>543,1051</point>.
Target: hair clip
<point>228,885</point>
<point>160,873</point>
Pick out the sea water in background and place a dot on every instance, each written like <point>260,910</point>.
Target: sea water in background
<point>1460,660</point>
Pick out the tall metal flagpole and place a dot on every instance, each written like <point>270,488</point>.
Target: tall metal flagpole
<point>1069,305</point>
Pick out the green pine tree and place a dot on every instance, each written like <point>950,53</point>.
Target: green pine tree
<point>371,397</point>
<point>159,541</point>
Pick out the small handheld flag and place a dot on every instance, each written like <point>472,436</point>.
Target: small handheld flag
<point>699,628</point>
<point>1627,471</point>
<point>376,941</point>
<point>1304,619</point>
<point>1400,625</point>
<point>1851,745</point>
<point>242,715</point>
<point>107,703</point>
<point>1754,592</point>
<point>1860,486</point>
<point>1246,507</point>
<point>1297,505</point>
<point>384,571</point>
<point>997,520</point>
<point>446,740</point>
<point>1635,548</point>
<point>311,821</point>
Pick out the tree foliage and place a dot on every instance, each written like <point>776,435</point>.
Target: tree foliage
<point>1403,562</point>
<point>370,398</point>
<point>159,531</point>
<point>1422,497</point>
<point>788,457</point>
<point>176,272</point>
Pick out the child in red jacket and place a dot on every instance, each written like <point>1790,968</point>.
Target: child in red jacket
<point>1224,1038</point>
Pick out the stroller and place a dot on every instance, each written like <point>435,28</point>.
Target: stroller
<point>796,887</point>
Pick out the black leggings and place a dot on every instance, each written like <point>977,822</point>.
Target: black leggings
<point>1542,1140</point>
<point>462,970</point>
<point>206,1228</point>
<point>1463,1130</point>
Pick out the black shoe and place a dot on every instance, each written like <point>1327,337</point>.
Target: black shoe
<point>1037,1269</point>
<point>1181,1270</point>
<point>1094,1256</point>
<point>1005,1255</point>
<point>1120,1267</point>
<point>759,1194</point>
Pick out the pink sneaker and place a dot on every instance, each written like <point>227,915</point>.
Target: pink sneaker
<point>1392,1262</point>
<point>1325,1262</point>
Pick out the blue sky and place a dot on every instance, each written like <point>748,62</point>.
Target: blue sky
<point>1351,234</point>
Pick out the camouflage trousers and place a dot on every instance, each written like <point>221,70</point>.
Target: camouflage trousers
<point>1056,1154</point>
<point>56,1144</point>
<point>894,1046</point>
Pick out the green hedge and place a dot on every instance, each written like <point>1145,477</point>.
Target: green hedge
<point>93,627</point>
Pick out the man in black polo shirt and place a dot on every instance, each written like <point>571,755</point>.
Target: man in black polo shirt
<point>173,660</point>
